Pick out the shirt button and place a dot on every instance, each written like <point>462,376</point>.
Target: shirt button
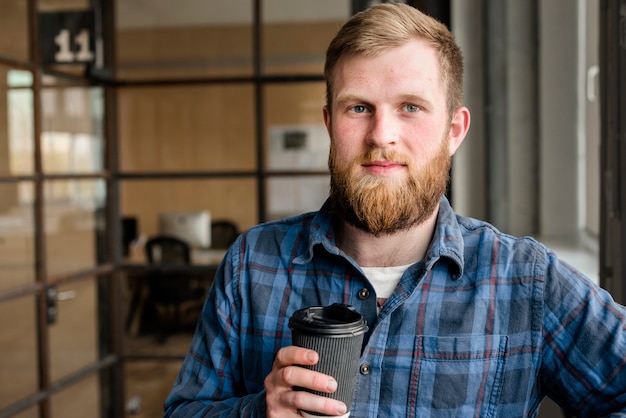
<point>364,369</point>
<point>364,293</point>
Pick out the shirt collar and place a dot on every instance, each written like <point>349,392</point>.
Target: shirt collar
<point>321,232</point>
<point>447,240</point>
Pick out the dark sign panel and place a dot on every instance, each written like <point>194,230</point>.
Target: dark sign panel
<point>67,37</point>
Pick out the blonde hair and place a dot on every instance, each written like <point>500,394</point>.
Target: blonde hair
<point>389,25</point>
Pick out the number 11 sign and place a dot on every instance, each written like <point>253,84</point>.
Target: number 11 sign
<point>67,37</point>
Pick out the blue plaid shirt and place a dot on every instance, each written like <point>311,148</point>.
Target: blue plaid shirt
<point>486,325</point>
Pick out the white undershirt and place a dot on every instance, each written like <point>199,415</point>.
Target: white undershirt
<point>384,280</point>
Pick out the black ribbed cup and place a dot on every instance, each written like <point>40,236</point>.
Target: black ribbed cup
<point>336,333</point>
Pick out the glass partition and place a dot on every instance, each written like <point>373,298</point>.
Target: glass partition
<point>72,230</point>
<point>14,35</point>
<point>74,333</point>
<point>145,200</point>
<point>32,412</point>
<point>295,134</point>
<point>293,195</point>
<point>17,242</point>
<point>18,340</point>
<point>187,128</point>
<point>148,383</point>
<point>183,39</point>
<point>16,122</point>
<point>72,138</point>
<point>82,399</point>
<point>294,42</point>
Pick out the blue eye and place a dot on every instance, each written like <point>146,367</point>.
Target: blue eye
<point>359,109</point>
<point>411,108</point>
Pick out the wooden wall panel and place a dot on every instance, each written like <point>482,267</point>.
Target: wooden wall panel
<point>184,52</point>
<point>13,29</point>
<point>207,128</point>
<point>296,47</point>
<point>302,103</point>
<point>287,48</point>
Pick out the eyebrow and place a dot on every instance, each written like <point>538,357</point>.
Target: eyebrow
<point>409,97</point>
<point>349,98</point>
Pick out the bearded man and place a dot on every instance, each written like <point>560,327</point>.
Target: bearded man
<point>463,320</point>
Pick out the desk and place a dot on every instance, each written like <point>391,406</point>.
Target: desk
<point>204,263</point>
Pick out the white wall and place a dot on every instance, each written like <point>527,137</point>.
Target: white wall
<point>551,141</point>
<point>559,118</point>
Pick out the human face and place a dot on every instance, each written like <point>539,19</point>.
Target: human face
<point>391,138</point>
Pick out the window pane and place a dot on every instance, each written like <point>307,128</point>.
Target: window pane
<point>71,210</point>
<point>296,194</point>
<point>32,412</point>
<point>148,383</point>
<point>17,245</point>
<point>74,335</point>
<point>14,37</point>
<point>82,399</point>
<point>233,199</point>
<point>296,34</point>
<point>189,128</point>
<point>16,121</point>
<point>183,38</point>
<point>296,137</point>
<point>18,344</point>
<point>72,138</point>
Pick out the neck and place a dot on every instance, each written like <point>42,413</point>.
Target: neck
<point>400,248</point>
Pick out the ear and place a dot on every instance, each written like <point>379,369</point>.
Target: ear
<point>326,118</point>
<point>459,126</point>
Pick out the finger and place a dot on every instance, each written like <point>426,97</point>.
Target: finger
<point>289,355</point>
<point>306,401</point>
<point>309,379</point>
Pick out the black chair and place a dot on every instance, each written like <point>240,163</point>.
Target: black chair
<point>167,250</point>
<point>173,291</point>
<point>223,233</point>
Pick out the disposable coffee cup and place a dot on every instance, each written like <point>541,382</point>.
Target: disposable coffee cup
<point>336,333</point>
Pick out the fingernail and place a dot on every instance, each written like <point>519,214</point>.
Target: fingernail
<point>331,385</point>
<point>342,409</point>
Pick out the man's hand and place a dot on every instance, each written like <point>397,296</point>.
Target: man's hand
<point>283,401</point>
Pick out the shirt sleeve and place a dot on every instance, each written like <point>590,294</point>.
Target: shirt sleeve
<point>210,381</point>
<point>584,344</point>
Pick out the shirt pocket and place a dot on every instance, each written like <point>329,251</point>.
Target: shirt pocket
<point>457,375</point>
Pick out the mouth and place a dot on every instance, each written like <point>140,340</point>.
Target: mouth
<point>383,163</point>
<point>382,167</point>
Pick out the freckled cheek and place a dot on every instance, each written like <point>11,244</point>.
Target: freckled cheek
<point>344,129</point>
<point>425,141</point>
<point>347,136</point>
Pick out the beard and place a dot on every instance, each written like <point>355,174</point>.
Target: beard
<point>383,205</point>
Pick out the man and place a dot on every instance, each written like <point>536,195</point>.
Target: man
<point>464,320</point>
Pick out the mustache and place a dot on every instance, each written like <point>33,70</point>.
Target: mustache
<point>373,155</point>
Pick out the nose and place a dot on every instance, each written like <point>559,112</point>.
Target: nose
<point>383,129</point>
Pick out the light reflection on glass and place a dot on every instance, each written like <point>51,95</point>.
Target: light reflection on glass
<point>72,138</point>
<point>20,143</point>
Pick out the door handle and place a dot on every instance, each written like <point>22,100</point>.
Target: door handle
<point>52,297</point>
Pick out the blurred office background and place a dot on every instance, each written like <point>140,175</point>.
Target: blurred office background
<point>126,121</point>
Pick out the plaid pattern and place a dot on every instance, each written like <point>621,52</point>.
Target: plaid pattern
<point>485,326</point>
